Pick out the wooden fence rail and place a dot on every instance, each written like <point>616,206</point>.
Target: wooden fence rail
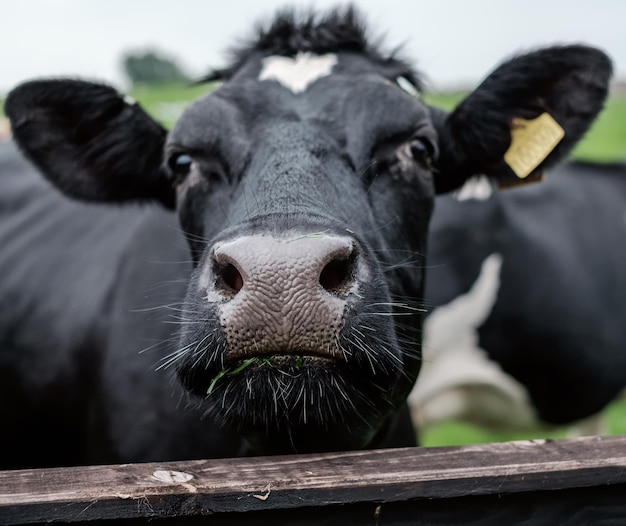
<point>562,480</point>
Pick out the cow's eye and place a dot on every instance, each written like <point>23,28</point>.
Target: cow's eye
<point>421,150</point>
<point>180,164</point>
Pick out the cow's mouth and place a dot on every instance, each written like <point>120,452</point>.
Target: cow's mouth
<point>292,399</point>
<point>287,363</point>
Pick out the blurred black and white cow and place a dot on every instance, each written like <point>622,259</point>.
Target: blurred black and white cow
<point>529,285</point>
<point>302,186</point>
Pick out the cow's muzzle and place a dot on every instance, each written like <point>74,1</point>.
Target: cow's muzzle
<point>285,295</point>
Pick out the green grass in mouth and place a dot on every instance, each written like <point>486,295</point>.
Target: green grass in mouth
<point>243,365</point>
<point>231,372</point>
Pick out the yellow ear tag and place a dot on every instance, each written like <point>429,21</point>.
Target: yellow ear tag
<point>531,142</point>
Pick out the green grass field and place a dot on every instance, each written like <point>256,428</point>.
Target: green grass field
<point>606,141</point>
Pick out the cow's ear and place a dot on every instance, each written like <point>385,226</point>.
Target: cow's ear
<point>524,117</point>
<point>90,141</point>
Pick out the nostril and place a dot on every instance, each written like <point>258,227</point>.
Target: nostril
<point>229,279</point>
<point>337,275</point>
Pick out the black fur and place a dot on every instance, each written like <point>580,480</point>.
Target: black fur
<point>90,121</point>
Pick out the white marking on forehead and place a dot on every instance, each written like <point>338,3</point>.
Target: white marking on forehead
<point>478,187</point>
<point>407,86</point>
<point>299,72</point>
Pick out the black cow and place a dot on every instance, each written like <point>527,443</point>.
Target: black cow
<point>303,186</point>
<point>532,280</point>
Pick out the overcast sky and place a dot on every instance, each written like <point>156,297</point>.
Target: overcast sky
<point>454,42</point>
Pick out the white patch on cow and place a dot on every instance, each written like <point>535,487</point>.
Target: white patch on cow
<point>129,100</point>
<point>457,380</point>
<point>407,86</point>
<point>299,72</point>
<point>478,187</point>
<point>468,311</point>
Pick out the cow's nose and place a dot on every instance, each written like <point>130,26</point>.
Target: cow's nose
<point>285,295</point>
<point>273,266</point>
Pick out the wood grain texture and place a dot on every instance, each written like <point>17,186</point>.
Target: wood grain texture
<point>206,487</point>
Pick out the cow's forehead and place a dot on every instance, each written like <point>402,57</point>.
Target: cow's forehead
<point>299,72</point>
<point>345,91</point>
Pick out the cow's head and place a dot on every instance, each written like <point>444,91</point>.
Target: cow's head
<point>304,184</point>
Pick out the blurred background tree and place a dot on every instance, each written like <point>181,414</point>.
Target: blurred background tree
<point>152,67</point>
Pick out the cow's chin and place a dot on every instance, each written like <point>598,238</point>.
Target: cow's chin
<point>299,403</point>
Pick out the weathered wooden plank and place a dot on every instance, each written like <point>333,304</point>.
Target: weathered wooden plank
<point>204,487</point>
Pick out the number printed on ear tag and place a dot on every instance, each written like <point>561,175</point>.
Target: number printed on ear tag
<point>531,142</point>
